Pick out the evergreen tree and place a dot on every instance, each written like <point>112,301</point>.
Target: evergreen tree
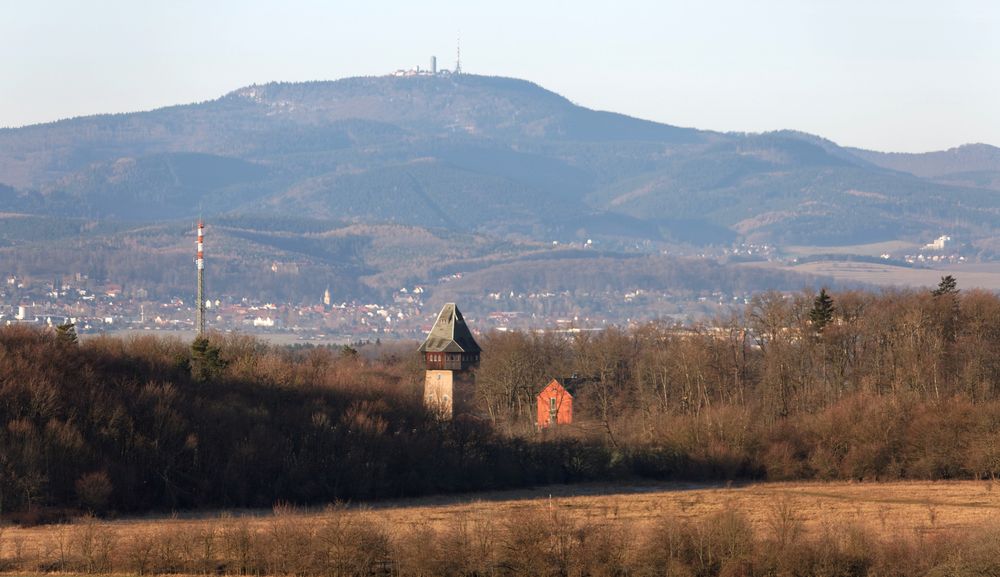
<point>947,286</point>
<point>66,333</point>
<point>946,295</point>
<point>822,311</point>
<point>206,364</point>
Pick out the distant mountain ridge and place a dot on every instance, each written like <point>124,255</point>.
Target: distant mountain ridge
<point>976,165</point>
<point>964,158</point>
<point>488,155</point>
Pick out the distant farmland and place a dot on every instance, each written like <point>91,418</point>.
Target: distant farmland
<point>982,276</point>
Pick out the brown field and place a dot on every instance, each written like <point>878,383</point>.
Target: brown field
<point>985,276</point>
<point>873,249</point>
<point>924,507</point>
<point>903,505</point>
<point>899,529</point>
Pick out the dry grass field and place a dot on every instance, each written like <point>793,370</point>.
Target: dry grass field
<point>926,507</point>
<point>985,276</point>
<point>898,529</point>
<point>873,249</point>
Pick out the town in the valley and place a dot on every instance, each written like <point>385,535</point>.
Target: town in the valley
<point>103,306</point>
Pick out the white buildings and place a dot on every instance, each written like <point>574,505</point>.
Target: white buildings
<point>939,243</point>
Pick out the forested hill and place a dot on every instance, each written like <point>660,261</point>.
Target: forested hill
<point>970,164</point>
<point>475,154</point>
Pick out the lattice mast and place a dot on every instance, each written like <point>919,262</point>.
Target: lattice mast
<point>200,300</point>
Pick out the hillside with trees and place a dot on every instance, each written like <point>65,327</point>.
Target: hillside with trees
<point>356,261</point>
<point>835,385</point>
<point>482,155</point>
<point>370,184</point>
<point>969,164</point>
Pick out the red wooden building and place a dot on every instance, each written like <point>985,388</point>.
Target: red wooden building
<point>555,405</point>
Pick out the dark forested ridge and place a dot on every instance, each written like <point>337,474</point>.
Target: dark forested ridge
<point>840,385</point>
<point>942,164</point>
<point>482,155</point>
<point>369,184</point>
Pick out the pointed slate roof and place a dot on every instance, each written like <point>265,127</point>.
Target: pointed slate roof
<point>450,334</point>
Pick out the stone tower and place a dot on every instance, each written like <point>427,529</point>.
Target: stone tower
<point>449,352</point>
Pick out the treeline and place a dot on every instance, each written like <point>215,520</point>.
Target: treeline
<point>149,423</point>
<point>849,385</point>
<point>529,541</point>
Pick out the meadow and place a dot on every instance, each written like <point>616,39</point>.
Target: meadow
<point>984,276</point>
<point>834,528</point>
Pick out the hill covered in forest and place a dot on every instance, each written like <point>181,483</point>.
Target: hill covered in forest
<point>394,179</point>
<point>484,155</point>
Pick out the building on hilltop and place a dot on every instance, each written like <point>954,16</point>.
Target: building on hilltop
<point>939,243</point>
<point>450,351</point>
<point>555,404</point>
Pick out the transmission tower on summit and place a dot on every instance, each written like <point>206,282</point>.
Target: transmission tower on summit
<point>458,55</point>
<point>199,320</point>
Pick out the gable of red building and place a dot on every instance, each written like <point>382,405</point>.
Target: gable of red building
<point>555,405</point>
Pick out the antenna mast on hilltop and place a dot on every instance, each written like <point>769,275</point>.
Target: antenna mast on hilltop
<point>458,54</point>
<point>199,320</point>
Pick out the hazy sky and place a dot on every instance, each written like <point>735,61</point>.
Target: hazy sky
<point>889,75</point>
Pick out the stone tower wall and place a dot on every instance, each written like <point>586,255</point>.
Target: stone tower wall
<point>439,392</point>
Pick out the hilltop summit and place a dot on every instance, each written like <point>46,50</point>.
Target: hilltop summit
<point>486,155</point>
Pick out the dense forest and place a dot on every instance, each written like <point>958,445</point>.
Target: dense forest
<point>842,385</point>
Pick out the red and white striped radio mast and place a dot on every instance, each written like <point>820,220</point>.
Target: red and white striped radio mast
<point>200,300</point>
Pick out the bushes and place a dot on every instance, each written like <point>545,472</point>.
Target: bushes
<point>884,438</point>
<point>533,540</point>
<point>94,491</point>
<point>718,544</point>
